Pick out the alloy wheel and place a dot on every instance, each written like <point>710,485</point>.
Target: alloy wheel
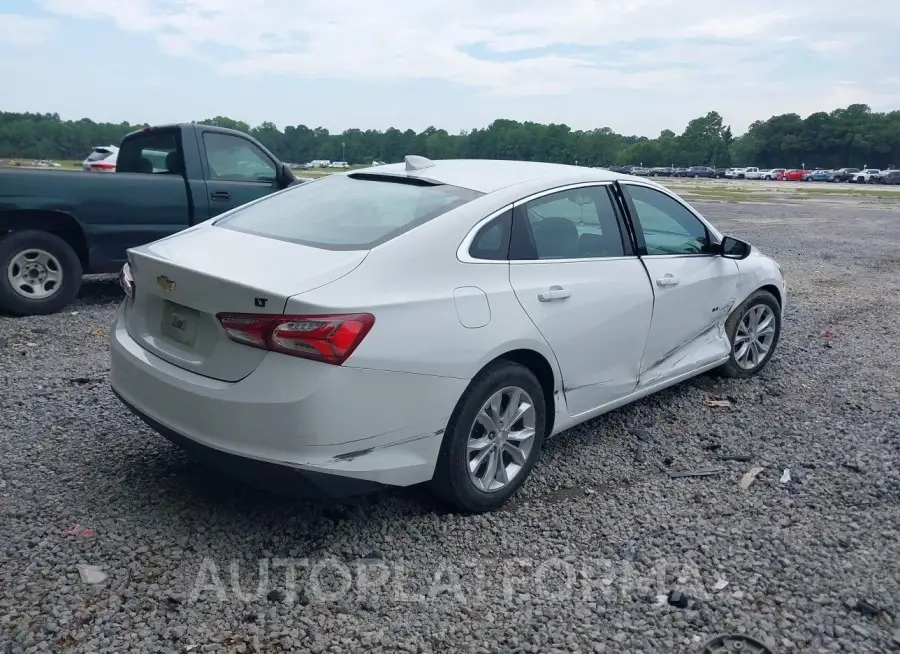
<point>501,439</point>
<point>754,336</point>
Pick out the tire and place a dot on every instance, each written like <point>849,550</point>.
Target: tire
<point>51,256</point>
<point>759,300</point>
<point>452,481</point>
<point>696,176</point>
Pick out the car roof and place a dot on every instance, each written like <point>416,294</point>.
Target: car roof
<point>489,175</point>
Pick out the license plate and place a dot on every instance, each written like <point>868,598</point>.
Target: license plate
<point>179,323</point>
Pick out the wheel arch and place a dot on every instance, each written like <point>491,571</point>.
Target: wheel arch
<point>774,290</point>
<point>545,373</point>
<point>62,224</point>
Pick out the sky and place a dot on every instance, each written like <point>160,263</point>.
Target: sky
<point>636,66</point>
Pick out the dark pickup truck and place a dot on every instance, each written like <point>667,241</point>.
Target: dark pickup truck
<point>56,226</point>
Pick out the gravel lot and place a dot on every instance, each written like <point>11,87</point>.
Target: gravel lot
<point>577,563</point>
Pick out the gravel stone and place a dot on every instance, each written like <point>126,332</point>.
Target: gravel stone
<point>574,563</point>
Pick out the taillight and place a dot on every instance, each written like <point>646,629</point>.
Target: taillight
<point>126,281</point>
<point>325,338</point>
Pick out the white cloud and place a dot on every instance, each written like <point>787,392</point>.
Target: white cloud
<point>18,30</point>
<point>428,39</point>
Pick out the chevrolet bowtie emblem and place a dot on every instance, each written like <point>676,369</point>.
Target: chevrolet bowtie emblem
<point>165,283</point>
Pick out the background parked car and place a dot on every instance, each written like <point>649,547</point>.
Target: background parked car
<point>105,165</point>
<point>795,175</point>
<point>721,173</point>
<point>890,177</point>
<point>752,173</point>
<point>843,174</point>
<point>773,173</point>
<point>818,176</point>
<point>864,176</point>
<point>98,154</point>
<point>700,171</point>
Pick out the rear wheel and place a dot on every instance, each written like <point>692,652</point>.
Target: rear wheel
<point>39,273</point>
<point>492,440</point>
<point>753,329</point>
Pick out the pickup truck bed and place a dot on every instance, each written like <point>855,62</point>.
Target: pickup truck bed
<point>57,225</point>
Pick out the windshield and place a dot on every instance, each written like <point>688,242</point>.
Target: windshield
<point>343,213</point>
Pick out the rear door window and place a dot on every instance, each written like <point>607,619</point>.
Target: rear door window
<point>347,212</point>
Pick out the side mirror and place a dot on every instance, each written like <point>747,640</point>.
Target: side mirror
<point>285,176</point>
<point>732,248</point>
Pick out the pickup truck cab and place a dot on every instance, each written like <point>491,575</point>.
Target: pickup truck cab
<point>56,226</point>
<point>752,173</point>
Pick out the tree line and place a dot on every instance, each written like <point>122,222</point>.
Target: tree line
<point>852,136</point>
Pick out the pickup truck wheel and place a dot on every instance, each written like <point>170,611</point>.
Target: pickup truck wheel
<point>39,273</point>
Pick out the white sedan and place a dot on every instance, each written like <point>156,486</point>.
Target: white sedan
<point>432,321</point>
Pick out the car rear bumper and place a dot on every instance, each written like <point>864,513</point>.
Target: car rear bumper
<point>370,425</point>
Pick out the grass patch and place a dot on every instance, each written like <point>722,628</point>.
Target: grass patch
<point>724,193</point>
<point>868,192</point>
<point>727,196</point>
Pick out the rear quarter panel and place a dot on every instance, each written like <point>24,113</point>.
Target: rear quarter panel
<point>409,284</point>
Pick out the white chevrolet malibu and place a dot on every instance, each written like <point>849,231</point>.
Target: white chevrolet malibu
<point>432,321</point>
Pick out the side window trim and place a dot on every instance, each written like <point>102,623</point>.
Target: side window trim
<point>505,220</point>
<point>262,153</point>
<point>520,224</point>
<point>462,252</point>
<point>638,233</point>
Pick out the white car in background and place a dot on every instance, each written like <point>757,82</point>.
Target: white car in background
<point>865,176</point>
<point>102,159</point>
<point>753,173</point>
<point>432,321</point>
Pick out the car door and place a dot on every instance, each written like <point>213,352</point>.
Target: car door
<point>694,287</point>
<point>237,171</point>
<point>574,271</point>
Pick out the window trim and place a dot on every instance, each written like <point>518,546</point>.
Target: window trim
<point>204,159</point>
<point>462,252</point>
<point>505,239</point>
<point>715,237</point>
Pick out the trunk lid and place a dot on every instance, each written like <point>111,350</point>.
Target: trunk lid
<point>183,281</point>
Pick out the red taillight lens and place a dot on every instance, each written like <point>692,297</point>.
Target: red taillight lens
<point>126,281</point>
<point>328,338</point>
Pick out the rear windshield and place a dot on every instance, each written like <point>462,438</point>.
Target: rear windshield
<point>98,155</point>
<point>148,152</point>
<point>342,213</point>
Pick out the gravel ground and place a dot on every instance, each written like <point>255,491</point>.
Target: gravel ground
<point>578,562</point>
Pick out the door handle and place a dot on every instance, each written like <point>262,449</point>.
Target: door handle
<point>220,196</point>
<point>554,293</point>
<point>667,280</point>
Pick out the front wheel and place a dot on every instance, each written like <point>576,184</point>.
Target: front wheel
<point>492,439</point>
<point>39,273</point>
<point>753,329</point>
